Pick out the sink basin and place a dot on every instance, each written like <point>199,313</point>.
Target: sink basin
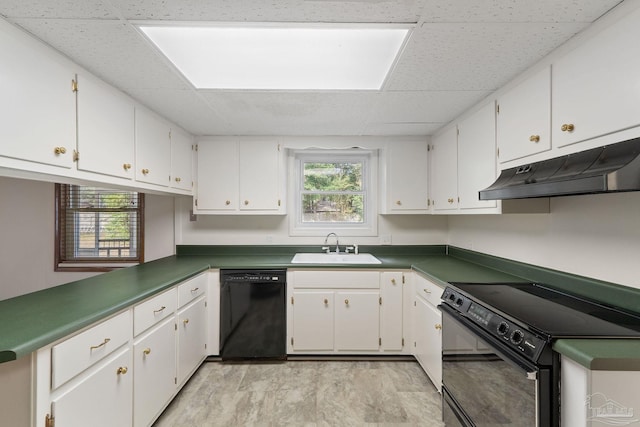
<point>334,258</point>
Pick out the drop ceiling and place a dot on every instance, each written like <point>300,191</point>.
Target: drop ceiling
<point>460,51</point>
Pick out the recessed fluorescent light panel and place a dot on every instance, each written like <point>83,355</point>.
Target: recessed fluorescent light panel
<point>285,57</point>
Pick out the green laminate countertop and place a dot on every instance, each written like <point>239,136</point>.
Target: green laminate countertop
<point>602,355</point>
<point>32,321</point>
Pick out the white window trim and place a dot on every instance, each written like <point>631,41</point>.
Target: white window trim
<point>369,177</point>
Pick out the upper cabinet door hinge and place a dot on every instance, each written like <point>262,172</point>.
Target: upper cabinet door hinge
<point>380,341</point>
<point>49,421</point>
<point>279,202</point>
<point>380,301</point>
<point>196,147</point>
<point>291,300</point>
<point>403,278</point>
<point>497,108</point>
<point>196,203</point>
<point>74,85</point>
<point>76,155</point>
<point>498,152</point>
<point>403,342</point>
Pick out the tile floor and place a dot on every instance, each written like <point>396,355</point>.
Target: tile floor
<point>306,393</point>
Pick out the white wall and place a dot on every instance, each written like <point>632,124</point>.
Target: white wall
<point>596,236</point>
<point>27,236</point>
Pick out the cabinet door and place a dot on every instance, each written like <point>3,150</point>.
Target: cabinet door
<point>217,183</point>
<point>444,170</point>
<point>260,176</point>
<point>38,104</point>
<point>595,86</point>
<point>312,320</point>
<point>477,157</point>
<point>105,129</point>
<point>154,372</point>
<point>407,176</point>
<point>428,332</point>
<point>153,148</point>
<point>357,318</point>
<point>192,338</point>
<point>524,118</point>
<point>181,160</point>
<point>391,292</point>
<point>102,399</point>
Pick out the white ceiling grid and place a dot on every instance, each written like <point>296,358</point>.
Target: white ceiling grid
<point>460,51</point>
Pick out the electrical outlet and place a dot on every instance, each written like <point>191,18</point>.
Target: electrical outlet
<point>385,239</point>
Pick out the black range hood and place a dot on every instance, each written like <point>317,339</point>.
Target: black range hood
<point>612,168</point>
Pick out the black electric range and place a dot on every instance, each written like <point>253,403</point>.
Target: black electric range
<point>516,312</point>
<point>498,365</point>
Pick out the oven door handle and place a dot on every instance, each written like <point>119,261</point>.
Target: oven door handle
<point>530,370</point>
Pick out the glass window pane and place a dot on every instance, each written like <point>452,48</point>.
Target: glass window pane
<point>332,208</point>
<point>338,176</point>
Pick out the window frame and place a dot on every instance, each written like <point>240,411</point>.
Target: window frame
<point>62,263</point>
<point>369,159</point>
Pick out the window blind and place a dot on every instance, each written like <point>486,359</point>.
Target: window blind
<point>99,225</point>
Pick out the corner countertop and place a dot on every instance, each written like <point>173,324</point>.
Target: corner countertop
<point>34,320</point>
<point>602,355</point>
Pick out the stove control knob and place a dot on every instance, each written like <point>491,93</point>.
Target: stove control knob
<point>452,297</point>
<point>459,302</point>
<point>516,337</point>
<point>503,328</point>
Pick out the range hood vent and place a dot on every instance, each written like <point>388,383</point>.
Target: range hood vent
<point>612,168</point>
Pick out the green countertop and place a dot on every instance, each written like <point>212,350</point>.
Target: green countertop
<point>35,320</point>
<point>602,355</point>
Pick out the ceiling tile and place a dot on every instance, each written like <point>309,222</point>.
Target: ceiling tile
<point>411,129</point>
<point>271,11</point>
<point>67,9</point>
<point>424,106</point>
<point>184,107</point>
<point>110,49</point>
<point>515,10</point>
<point>291,113</point>
<point>474,56</point>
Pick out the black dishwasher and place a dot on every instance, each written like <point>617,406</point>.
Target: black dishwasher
<point>253,314</point>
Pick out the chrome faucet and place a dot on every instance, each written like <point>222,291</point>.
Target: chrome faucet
<point>327,248</point>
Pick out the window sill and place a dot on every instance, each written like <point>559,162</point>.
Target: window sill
<point>93,267</point>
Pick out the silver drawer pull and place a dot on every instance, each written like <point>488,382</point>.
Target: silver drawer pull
<point>160,309</point>
<point>195,290</point>
<point>427,291</point>
<point>93,347</point>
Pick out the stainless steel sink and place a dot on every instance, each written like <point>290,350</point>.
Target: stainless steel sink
<point>334,258</point>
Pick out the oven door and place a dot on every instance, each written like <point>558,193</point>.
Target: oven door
<point>486,384</point>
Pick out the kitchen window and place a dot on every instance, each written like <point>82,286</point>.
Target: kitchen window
<point>333,192</point>
<point>98,229</point>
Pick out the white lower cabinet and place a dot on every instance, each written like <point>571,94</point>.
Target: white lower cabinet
<point>357,320</point>
<point>312,321</point>
<point>345,312</point>
<point>192,338</point>
<point>427,328</point>
<point>101,399</point>
<point>125,370</point>
<point>154,372</point>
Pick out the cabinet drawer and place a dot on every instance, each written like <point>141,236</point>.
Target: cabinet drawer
<point>192,289</point>
<point>428,290</point>
<point>76,354</point>
<point>154,310</point>
<point>337,279</point>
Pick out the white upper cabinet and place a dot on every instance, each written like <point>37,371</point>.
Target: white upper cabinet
<point>105,129</point>
<point>38,102</point>
<point>239,177</point>
<point>405,178</point>
<point>260,182</point>
<point>181,159</point>
<point>596,87</point>
<point>444,170</point>
<point>153,148</point>
<point>524,118</point>
<point>476,157</point>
